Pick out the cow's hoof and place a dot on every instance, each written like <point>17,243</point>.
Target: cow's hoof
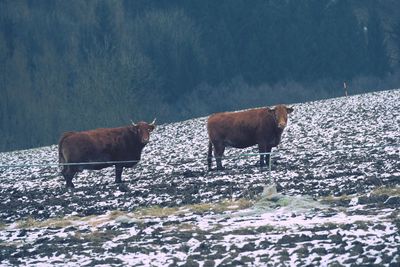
<point>260,165</point>
<point>123,187</point>
<point>216,169</point>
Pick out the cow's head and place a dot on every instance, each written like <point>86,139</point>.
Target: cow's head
<point>143,129</point>
<point>280,115</point>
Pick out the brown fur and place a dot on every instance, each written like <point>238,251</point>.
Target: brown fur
<point>262,126</point>
<point>100,145</point>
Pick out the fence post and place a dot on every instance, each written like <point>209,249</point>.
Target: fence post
<point>269,166</point>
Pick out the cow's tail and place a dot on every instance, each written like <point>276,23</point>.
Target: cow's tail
<point>209,157</point>
<point>61,156</point>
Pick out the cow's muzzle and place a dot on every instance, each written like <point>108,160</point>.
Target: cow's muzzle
<point>282,125</point>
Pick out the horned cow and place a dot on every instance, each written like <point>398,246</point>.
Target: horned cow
<point>262,126</point>
<point>104,147</point>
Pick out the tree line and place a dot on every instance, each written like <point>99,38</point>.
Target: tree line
<point>74,65</point>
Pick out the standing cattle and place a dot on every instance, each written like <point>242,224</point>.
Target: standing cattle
<point>106,146</point>
<point>262,126</point>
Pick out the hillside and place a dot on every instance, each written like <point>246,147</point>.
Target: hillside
<point>74,65</point>
<point>337,168</point>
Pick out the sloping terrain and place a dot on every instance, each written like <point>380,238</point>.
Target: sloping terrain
<point>337,171</point>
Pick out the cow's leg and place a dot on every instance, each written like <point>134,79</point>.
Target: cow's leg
<point>218,153</point>
<point>118,173</point>
<point>68,174</point>
<point>262,149</point>
<point>268,156</point>
<point>209,156</point>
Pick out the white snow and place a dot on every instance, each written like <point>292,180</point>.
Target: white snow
<point>335,147</point>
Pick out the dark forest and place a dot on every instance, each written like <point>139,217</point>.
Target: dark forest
<point>75,65</point>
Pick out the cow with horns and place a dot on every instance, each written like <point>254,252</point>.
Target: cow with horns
<point>261,126</point>
<point>101,148</point>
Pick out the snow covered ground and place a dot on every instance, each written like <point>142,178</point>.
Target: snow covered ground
<point>337,171</point>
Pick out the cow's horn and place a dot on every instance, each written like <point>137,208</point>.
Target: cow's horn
<point>134,124</point>
<point>154,121</point>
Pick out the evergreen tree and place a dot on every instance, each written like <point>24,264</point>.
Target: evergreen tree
<point>378,61</point>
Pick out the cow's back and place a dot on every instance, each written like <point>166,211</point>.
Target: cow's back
<point>78,147</point>
<point>105,144</point>
<point>236,129</point>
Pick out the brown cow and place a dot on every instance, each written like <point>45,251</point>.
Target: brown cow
<point>262,126</point>
<point>103,145</point>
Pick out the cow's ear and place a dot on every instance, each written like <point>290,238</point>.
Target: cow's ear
<point>152,127</point>
<point>289,110</point>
